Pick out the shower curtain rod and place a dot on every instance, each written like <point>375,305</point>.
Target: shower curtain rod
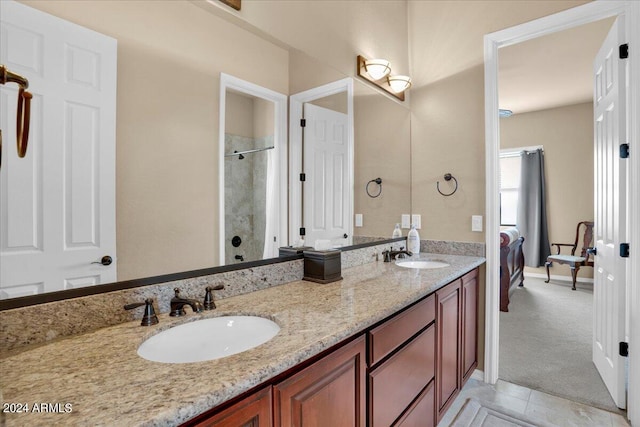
<point>238,153</point>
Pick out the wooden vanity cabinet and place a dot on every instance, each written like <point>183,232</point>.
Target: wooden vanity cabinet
<point>456,337</point>
<point>414,364</point>
<point>253,411</point>
<point>331,392</point>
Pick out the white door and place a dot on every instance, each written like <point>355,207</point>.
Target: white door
<point>327,194</point>
<point>610,214</point>
<point>58,203</point>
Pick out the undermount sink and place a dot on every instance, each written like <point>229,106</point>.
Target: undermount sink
<point>208,339</point>
<point>422,264</point>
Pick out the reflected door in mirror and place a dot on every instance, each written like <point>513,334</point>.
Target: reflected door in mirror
<point>58,203</point>
<point>327,186</point>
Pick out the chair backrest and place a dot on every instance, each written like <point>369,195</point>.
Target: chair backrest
<point>584,229</point>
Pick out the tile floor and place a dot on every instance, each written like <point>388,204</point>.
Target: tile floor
<point>534,404</point>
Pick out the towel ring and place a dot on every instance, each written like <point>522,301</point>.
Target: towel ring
<point>377,181</point>
<point>447,177</point>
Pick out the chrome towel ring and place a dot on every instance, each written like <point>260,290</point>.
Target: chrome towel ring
<point>447,177</point>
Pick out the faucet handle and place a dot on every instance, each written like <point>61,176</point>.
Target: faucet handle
<point>208,297</point>
<point>149,318</point>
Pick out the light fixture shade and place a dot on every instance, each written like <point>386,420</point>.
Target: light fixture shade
<point>505,113</point>
<point>377,68</point>
<point>399,83</point>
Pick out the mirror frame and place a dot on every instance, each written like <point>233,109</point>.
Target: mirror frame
<point>279,208</point>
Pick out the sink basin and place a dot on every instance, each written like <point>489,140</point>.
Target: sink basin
<point>422,264</point>
<point>208,339</point>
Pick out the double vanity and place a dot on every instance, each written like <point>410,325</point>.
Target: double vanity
<point>387,345</point>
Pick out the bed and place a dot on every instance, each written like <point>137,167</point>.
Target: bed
<point>511,264</point>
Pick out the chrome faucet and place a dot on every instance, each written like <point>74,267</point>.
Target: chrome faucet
<point>178,303</point>
<point>390,254</point>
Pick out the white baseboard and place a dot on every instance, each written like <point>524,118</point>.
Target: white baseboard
<point>560,278</point>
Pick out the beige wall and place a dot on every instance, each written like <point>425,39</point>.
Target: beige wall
<point>335,32</point>
<point>447,136</point>
<point>248,116</point>
<point>170,57</point>
<point>383,149</point>
<point>238,115</point>
<point>447,105</point>
<point>567,136</point>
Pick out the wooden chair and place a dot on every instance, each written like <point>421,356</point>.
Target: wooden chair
<point>574,261</point>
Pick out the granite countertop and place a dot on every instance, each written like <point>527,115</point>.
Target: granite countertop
<point>97,378</point>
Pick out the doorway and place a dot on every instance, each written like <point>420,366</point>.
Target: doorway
<point>547,83</point>
<point>568,19</point>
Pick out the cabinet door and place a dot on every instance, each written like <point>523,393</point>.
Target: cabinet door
<point>448,343</point>
<point>331,392</point>
<point>470,324</point>
<point>254,411</point>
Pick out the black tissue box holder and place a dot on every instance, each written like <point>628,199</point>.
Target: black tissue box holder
<point>322,266</point>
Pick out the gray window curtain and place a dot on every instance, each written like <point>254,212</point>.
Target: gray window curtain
<point>532,209</point>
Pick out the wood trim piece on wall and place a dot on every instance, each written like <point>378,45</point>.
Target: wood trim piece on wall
<point>236,4</point>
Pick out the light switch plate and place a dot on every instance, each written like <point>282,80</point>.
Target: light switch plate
<point>416,219</point>
<point>476,223</point>
<point>406,221</point>
<point>358,220</point>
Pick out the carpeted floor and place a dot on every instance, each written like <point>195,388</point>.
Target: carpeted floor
<point>545,342</point>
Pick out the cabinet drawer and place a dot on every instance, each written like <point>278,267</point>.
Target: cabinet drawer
<point>422,412</point>
<point>388,336</point>
<point>397,382</point>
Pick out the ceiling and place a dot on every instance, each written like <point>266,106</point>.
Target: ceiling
<point>550,71</point>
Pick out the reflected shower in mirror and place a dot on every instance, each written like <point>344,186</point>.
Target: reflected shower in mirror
<point>253,187</point>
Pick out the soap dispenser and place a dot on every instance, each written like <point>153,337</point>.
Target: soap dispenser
<point>413,240</point>
<point>397,232</point>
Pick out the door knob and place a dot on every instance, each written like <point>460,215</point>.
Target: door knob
<point>345,235</point>
<point>106,260</point>
<point>592,251</point>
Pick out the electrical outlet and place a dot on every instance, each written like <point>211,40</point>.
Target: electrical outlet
<point>358,220</point>
<point>476,223</point>
<point>416,220</point>
<point>406,221</point>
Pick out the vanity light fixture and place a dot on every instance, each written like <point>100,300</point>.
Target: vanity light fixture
<point>399,83</point>
<point>377,72</point>
<point>377,68</point>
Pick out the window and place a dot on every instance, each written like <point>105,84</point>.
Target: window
<point>509,187</point>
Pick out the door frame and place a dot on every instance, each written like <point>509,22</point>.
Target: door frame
<point>570,18</point>
<point>279,216</point>
<point>296,102</point>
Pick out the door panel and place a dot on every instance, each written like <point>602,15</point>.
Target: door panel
<point>58,203</point>
<point>610,213</point>
<point>327,188</point>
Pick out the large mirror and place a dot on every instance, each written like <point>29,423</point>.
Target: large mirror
<point>166,141</point>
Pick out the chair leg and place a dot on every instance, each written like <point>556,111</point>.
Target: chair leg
<point>547,264</point>
<point>574,274</point>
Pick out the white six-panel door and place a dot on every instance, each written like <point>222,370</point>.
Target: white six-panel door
<point>57,212</point>
<point>327,187</point>
<point>610,214</point>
